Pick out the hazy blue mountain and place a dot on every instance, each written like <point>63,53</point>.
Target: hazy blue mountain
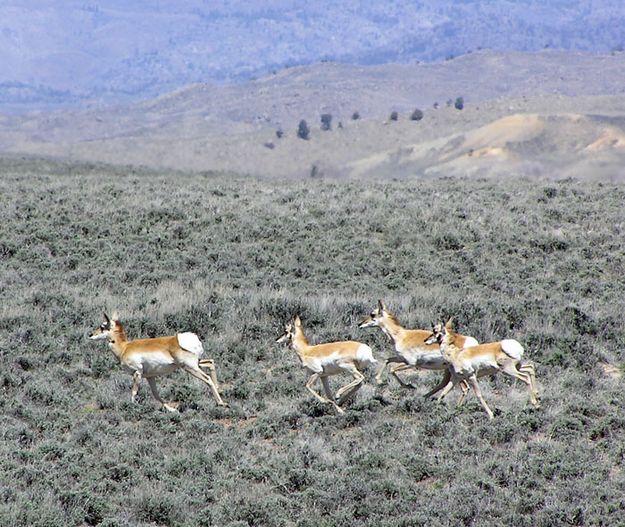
<point>60,52</point>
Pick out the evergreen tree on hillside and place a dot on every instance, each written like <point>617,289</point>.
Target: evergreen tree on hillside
<point>417,115</point>
<point>326,121</point>
<point>303,132</point>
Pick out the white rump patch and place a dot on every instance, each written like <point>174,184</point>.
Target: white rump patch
<point>512,348</point>
<point>469,342</point>
<point>190,342</point>
<point>364,354</point>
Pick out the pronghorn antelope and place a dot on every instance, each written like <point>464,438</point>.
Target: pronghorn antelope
<point>467,364</point>
<point>324,360</point>
<point>154,357</point>
<point>411,351</point>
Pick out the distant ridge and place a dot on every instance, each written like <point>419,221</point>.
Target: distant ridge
<point>117,51</point>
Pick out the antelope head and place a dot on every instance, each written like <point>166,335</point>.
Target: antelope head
<point>440,331</point>
<point>375,317</point>
<point>105,330</point>
<point>289,330</point>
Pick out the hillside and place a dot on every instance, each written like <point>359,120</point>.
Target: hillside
<point>553,114</point>
<point>85,52</point>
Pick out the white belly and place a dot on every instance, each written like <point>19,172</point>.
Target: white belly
<point>152,364</point>
<point>484,366</point>
<point>330,365</point>
<point>332,368</point>
<point>430,361</point>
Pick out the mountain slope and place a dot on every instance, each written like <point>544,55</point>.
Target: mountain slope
<point>116,51</point>
<point>516,119</point>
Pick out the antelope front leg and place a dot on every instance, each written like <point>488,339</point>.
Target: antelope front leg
<point>446,390</point>
<point>464,388</point>
<point>309,387</point>
<point>169,407</point>
<point>136,381</point>
<point>378,377</point>
<point>444,382</point>
<point>326,387</point>
<point>478,393</point>
<point>402,367</point>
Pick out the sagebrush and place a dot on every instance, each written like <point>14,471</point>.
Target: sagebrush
<point>232,259</point>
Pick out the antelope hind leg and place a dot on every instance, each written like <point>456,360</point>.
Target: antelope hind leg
<point>512,369</point>
<point>209,364</point>
<point>344,393</point>
<point>528,368</point>
<point>199,374</point>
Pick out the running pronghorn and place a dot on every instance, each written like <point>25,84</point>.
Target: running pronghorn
<point>467,364</point>
<point>411,351</point>
<point>151,358</point>
<point>324,360</point>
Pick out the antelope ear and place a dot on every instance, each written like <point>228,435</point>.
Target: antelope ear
<point>448,325</point>
<point>297,321</point>
<point>115,316</point>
